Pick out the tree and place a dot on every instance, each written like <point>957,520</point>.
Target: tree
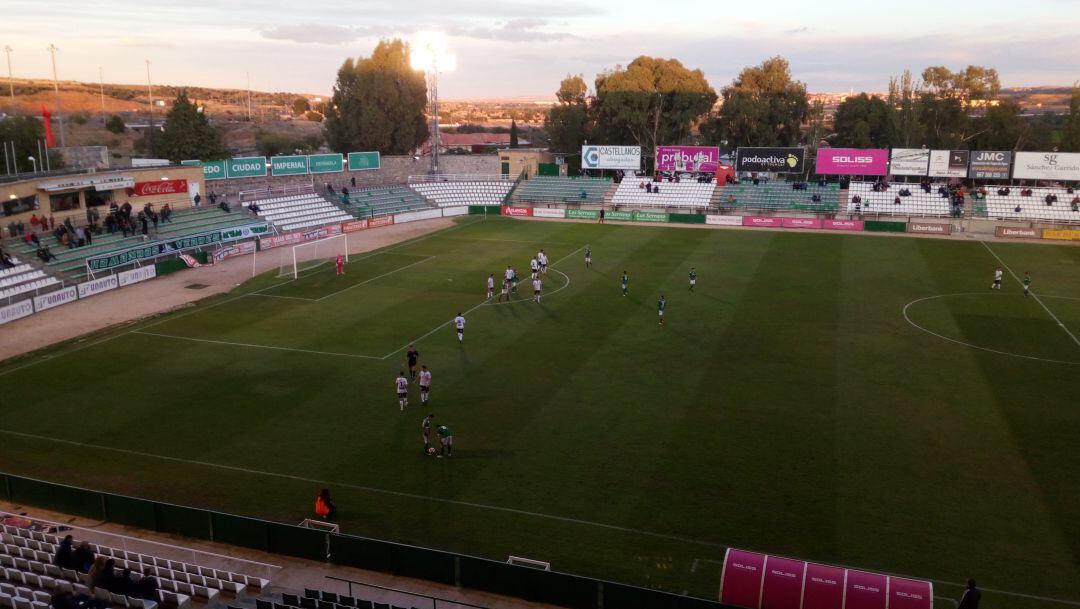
<point>115,124</point>
<point>567,123</point>
<point>763,106</point>
<point>863,121</point>
<point>513,134</point>
<point>378,103</point>
<point>1070,137</point>
<point>907,129</point>
<point>313,116</point>
<point>188,134</point>
<point>25,132</point>
<point>1001,128</point>
<point>274,144</point>
<point>654,101</point>
<point>300,105</point>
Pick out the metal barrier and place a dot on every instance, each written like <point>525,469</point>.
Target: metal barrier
<point>393,596</point>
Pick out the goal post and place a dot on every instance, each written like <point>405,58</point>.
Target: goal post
<point>308,257</point>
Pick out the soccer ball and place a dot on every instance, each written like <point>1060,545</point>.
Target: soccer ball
<point>431,450</point>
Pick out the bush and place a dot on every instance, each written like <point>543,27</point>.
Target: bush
<point>79,119</point>
<point>313,116</point>
<point>115,124</point>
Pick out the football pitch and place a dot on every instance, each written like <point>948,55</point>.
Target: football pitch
<point>860,400</point>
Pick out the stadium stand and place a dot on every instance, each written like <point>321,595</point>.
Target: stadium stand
<point>1033,207</point>
<point>23,281</point>
<point>446,191</point>
<point>779,196</point>
<point>631,193</point>
<point>545,189</point>
<point>920,203</point>
<point>375,201</point>
<point>27,560</point>
<point>292,212</point>
<point>70,263</point>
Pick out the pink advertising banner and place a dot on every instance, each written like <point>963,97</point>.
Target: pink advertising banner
<point>866,590</point>
<point>783,583</point>
<point>687,158</point>
<point>910,594</point>
<point>740,581</point>
<point>824,587</point>
<point>842,224</point>
<point>802,222</point>
<point>773,221</point>
<point>852,161</point>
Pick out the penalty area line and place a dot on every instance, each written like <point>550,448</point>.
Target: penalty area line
<point>252,345</point>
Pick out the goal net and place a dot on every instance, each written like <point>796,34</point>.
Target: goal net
<point>306,258</point>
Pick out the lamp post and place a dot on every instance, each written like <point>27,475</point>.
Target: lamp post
<point>33,162</point>
<point>11,79</point>
<point>56,89</point>
<point>150,95</point>
<point>431,56</point>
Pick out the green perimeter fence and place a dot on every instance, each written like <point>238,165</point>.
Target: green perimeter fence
<point>471,572</point>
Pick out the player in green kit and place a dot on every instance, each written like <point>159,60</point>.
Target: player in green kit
<point>1027,283</point>
<point>660,306</point>
<point>513,282</point>
<point>625,283</point>
<point>693,278</point>
<point>588,256</point>
<point>446,439</point>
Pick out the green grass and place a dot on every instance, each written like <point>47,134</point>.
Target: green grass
<point>787,406</point>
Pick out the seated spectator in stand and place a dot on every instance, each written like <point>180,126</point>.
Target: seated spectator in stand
<point>648,187</point>
<point>146,588</point>
<point>154,218</point>
<point>816,198</point>
<point>166,213</point>
<point>656,189</point>
<point>329,188</point>
<point>905,192</point>
<point>98,578</point>
<point>80,237</point>
<point>756,181</point>
<point>145,222</point>
<point>1049,200</point>
<point>731,200</point>
<point>584,195</point>
<point>926,187</point>
<point>1076,204</point>
<point>1026,192</point>
<point>1017,209</point>
<point>213,198</point>
<point>35,223</point>
<point>896,201</point>
<point>641,185</point>
<point>124,585</point>
<point>31,238</point>
<point>856,199</point>
<point>65,554</point>
<point>224,206</point>
<point>253,208</point>
<point>324,507</point>
<point>943,191</point>
<point>45,255</point>
<point>1069,190</point>
<point>84,557</point>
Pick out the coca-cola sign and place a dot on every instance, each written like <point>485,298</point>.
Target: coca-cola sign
<point>160,187</point>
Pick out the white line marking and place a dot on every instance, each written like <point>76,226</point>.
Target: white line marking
<point>283,297</point>
<point>506,240</point>
<point>375,278</point>
<point>482,506</point>
<point>545,295</point>
<point>960,342</point>
<point>1033,295</point>
<point>253,346</point>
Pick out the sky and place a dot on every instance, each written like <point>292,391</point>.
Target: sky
<point>523,48</point>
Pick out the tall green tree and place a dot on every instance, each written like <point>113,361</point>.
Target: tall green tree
<point>763,106</point>
<point>187,134</point>
<point>26,132</point>
<point>378,103</point>
<point>1070,136</point>
<point>567,122</point>
<point>863,121</point>
<point>906,128</point>
<point>1002,127</point>
<point>653,100</point>
<point>513,134</point>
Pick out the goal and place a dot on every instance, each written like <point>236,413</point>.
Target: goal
<point>306,258</point>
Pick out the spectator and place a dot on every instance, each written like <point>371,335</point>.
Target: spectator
<point>731,200</point>
<point>80,237</point>
<point>656,189</point>
<point>816,198</point>
<point>324,508</point>
<point>1026,192</point>
<point>6,262</point>
<point>154,218</point>
<point>896,201</point>
<point>124,584</point>
<point>352,181</point>
<point>1076,204</point>
<point>65,554</point>
<point>45,255</point>
<point>166,213</point>
<point>195,200</point>
<point>641,185</point>
<point>144,221</point>
<point>98,578</point>
<point>213,198</point>
<point>35,223</point>
<point>224,206</point>
<point>1017,209</point>
<point>1049,200</point>
<point>146,588</point>
<point>114,208</point>
<point>648,187</point>
<point>971,596</point>
<point>253,207</point>
<point>84,557</point>
<point>856,199</point>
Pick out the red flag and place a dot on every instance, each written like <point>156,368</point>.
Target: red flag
<point>47,119</point>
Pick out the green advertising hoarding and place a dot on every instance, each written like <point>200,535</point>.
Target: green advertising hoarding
<point>289,165</point>
<point>584,214</point>
<point>326,163</point>
<point>246,167</point>
<point>212,170</point>
<point>650,216</point>
<point>359,161</point>
<point>619,215</point>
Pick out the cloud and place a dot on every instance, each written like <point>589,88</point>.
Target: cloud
<point>515,30</point>
<point>319,33</point>
<point>798,30</point>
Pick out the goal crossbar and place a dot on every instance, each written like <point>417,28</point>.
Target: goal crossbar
<point>313,254</point>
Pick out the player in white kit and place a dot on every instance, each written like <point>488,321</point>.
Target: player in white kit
<point>537,287</point>
<point>534,264</point>
<point>491,285</point>
<point>997,279</point>
<point>402,386</point>
<point>543,262</point>
<point>425,384</point>
<point>459,323</point>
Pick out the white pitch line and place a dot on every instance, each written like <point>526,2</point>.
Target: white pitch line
<point>470,504</point>
<point>252,346</point>
<point>545,295</point>
<point>283,297</point>
<point>375,278</point>
<point>1033,295</point>
<point>485,302</point>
